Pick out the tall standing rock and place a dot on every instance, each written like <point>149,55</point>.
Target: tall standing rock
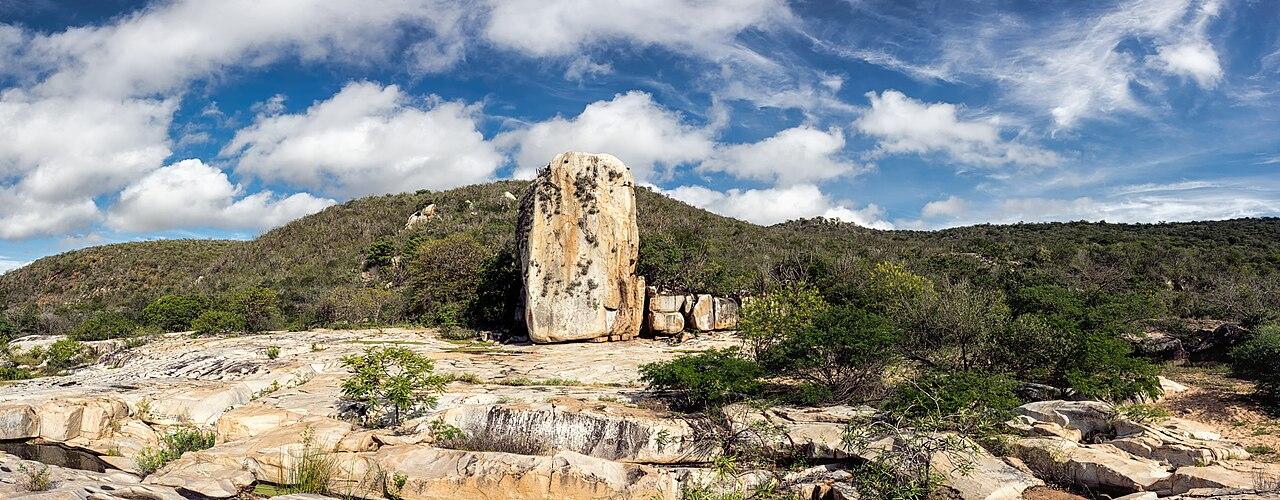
<point>578,244</point>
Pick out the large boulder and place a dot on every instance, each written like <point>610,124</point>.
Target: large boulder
<point>1236,475</point>
<point>1090,418</point>
<point>578,244</point>
<point>726,314</point>
<point>666,323</point>
<point>1098,466</point>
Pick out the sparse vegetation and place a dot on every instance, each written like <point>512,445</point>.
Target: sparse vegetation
<point>273,352</point>
<point>312,471</point>
<point>172,446</point>
<point>35,477</point>
<point>1258,359</point>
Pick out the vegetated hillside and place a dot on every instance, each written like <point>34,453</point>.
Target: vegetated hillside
<point>1225,269</point>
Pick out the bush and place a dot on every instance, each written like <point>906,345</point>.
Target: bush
<point>445,275</point>
<point>7,331</point>
<point>258,308</point>
<point>15,373</point>
<point>273,352</point>
<point>392,382</point>
<point>1100,366</point>
<point>845,351</point>
<point>214,322</point>
<point>768,320</point>
<point>983,399</point>
<point>379,254</point>
<point>172,446</point>
<point>103,326</point>
<point>65,353</point>
<point>1258,358</point>
<point>705,381</point>
<point>174,313</point>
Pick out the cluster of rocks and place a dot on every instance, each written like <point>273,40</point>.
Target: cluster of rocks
<point>670,314</point>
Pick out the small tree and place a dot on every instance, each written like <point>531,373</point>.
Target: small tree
<point>258,307</point>
<point>103,326</point>
<point>65,353</point>
<point>173,313</point>
<point>392,382</point>
<point>845,350</point>
<point>7,331</point>
<point>215,322</point>
<point>708,380</point>
<point>1259,359</point>
<point>444,277</point>
<point>768,320</point>
<point>379,254</point>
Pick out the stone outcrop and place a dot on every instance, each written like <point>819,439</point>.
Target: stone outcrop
<point>578,244</point>
<point>74,484</point>
<point>669,314</point>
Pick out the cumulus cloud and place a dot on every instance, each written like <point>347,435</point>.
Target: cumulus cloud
<point>1180,201</point>
<point>115,87</point>
<point>367,139</point>
<point>566,27</point>
<point>774,205</point>
<point>191,194</point>
<point>649,138</point>
<point>792,156</point>
<point>905,125</point>
<point>1197,60</point>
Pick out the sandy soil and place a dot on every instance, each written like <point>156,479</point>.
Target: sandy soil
<point>1225,403</point>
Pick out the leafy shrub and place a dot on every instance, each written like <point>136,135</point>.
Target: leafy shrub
<point>258,308</point>
<point>15,373</point>
<point>1030,348</point>
<point>845,351</point>
<point>708,380</point>
<point>65,353</point>
<point>172,446</point>
<point>768,320</point>
<point>1100,366</point>
<point>1258,358</point>
<point>984,399</point>
<point>35,478</point>
<point>103,326</point>
<point>273,352</point>
<point>174,313</point>
<point>392,382</point>
<point>444,277</point>
<point>379,254</point>
<point>7,331</point>
<point>215,322</point>
<point>342,305</point>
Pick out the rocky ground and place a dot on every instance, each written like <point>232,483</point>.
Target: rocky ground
<point>540,421</point>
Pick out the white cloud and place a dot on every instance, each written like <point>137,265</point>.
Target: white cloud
<point>793,156</point>
<point>7,264</point>
<point>1180,201</point>
<point>905,125</point>
<point>191,194</point>
<point>583,67</point>
<point>567,27</point>
<point>650,139</point>
<point>1197,60</point>
<point>115,87</point>
<point>771,206</point>
<point>368,139</point>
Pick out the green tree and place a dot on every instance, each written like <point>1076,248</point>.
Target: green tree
<point>708,380</point>
<point>845,350</point>
<point>1258,358</point>
<point>7,331</point>
<point>217,322</point>
<point>393,382</point>
<point>767,320</point>
<point>444,277</point>
<point>104,325</point>
<point>174,313</point>
<point>379,254</point>
<point>258,308</point>
<point>65,353</point>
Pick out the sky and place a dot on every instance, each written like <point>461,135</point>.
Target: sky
<point>125,121</point>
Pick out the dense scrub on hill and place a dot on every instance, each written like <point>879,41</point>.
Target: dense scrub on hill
<point>358,262</point>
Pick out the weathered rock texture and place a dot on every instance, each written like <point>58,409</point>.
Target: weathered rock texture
<point>578,244</point>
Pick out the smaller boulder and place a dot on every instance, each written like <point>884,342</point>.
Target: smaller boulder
<point>666,323</point>
<point>18,421</point>
<point>702,316</point>
<point>726,314</point>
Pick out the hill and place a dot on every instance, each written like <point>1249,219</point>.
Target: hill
<point>1224,269</point>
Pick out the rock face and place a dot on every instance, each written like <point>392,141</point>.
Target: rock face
<point>578,244</point>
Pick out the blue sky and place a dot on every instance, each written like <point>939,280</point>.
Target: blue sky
<point>124,121</point>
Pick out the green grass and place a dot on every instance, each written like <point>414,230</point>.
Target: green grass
<point>524,382</point>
